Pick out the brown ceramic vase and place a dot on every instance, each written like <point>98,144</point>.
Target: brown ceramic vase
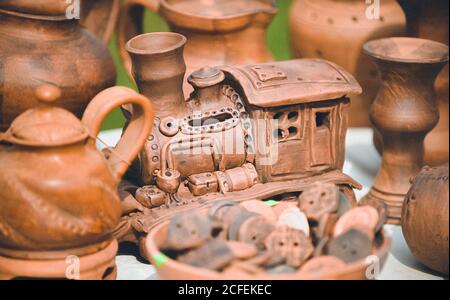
<point>219,32</point>
<point>38,45</point>
<point>58,193</point>
<point>429,20</point>
<point>425,218</point>
<point>404,111</point>
<point>336,30</point>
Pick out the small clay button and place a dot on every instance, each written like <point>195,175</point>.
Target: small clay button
<point>294,218</point>
<point>228,214</point>
<point>318,266</point>
<point>242,250</point>
<point>187,231</point>
<point>283,269</point>
<point>261,208</point>
<point>251,228</point>
<point>351,246</point>
<point>291,244</point>
<point>363,216</point>
<point>320,199</point>
<point>282,205</point>
<point>213,255</point>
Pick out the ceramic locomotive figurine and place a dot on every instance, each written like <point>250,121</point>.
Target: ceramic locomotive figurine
<point>39,44</point>
<point>246,132</point>
<point>218,31</point>
<point>58,193</point>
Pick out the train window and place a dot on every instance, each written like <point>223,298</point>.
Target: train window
<point>323,119</point>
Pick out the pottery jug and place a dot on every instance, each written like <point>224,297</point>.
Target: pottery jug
<point>336,30</point>
<point>100,17</point>
<point>57,191</point>
<point>219,32</point>
<point>38,45</point>
<point>425,218</point>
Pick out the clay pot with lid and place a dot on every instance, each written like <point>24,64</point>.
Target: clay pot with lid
<point>219,32</point>
<point>336,30</point>
<point>39,45</point>
<point>57,191</point>
<point>403,112</point>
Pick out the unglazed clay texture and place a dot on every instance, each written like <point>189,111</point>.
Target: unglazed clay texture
<point>404,111</point>
<point>58,193</point>
<point>246,132</point>
<point>39,45</point>
<point>336,31</point>
<point>218,31</point>
<point>228,241</point>
<point>425,218</point>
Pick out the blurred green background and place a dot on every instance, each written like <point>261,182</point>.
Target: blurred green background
<point>278,42</point>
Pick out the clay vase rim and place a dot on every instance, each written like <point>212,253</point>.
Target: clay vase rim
<point>60,18</point>
<point>150,47</point>
<point>172,9</point>
<point>379,49</point>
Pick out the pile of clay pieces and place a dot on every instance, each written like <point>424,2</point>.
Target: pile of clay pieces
<point>308,233</point>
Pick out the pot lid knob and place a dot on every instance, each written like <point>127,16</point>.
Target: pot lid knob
<point>48,93</point>
<point>47,124</point>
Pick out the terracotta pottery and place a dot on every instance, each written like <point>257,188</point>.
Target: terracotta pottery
<point>218,31</point>
<point>425,218</point>
<point>404,111</point>
<point>169,269</point>
<point>100,17</point>
<point>57,191</point>
<point>336,30</point>
<point>429,20</point>
<point>239,134</point>
<point>39,45</point>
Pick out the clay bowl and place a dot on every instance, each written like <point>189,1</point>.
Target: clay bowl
<point>169,269</point>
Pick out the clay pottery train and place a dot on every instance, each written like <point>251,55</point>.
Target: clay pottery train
<point>429,20</point>
<point>336,31</point>
<point>39,45</point>
<point>58,193</point>
<point>219,32</point>
<point>250,131</point>
<point>404,111</point>
<point>425,218</point>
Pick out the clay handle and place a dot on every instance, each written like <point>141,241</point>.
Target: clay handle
<point>139,128</point>
<point>130,25</point>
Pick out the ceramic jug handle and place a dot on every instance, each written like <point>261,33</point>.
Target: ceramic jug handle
<point>137,131</point>
<point>130,25</point>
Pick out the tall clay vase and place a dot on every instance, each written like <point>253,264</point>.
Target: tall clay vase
<point>429,20</point>
<point>39,45</point>
<point>403,112</point>
<point>336,30</point>
<point>218,32</point>
<point>425,218</point>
